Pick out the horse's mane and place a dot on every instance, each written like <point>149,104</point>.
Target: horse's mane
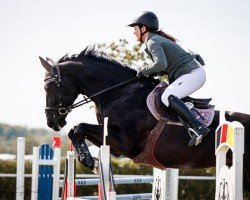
<point>91,53</point>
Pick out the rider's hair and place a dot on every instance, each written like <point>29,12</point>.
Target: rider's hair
<point>163,34</point>
<point>166,35</point>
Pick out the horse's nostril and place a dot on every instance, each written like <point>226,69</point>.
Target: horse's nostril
<point>50,124</point>
<point>63,123</point>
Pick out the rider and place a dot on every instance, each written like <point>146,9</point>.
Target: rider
<point>186,75</point>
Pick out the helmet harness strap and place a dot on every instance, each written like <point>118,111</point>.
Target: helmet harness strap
<point>142,33</point>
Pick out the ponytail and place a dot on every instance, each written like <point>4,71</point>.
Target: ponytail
<point>166,35</point>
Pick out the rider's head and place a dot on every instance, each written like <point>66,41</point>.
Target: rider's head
<point>146,22</point>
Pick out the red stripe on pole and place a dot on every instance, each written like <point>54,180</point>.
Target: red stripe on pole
<point>224,133</point>
<point>99,192</point>
<point>71,146</point>
<point>57,142</point>
<point>75,189</point>
<point>65,195</point>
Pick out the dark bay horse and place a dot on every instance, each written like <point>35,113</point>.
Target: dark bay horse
<point>130,121</point>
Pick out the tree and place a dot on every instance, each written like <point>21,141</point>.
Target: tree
<point>131,55</point>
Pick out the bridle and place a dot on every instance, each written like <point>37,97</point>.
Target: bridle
<point>56,78</point>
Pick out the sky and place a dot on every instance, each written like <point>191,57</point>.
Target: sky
<point>218,30</point>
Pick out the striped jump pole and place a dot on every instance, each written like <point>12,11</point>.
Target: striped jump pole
<point>69,190</point>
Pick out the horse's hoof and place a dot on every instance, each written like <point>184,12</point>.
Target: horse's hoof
<point>90,163</point>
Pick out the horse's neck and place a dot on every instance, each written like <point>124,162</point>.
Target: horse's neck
<point>91,79</point>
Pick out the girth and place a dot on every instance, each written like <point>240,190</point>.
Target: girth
<point>147,156</point>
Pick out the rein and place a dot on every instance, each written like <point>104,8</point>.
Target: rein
<point>89,99</point>
<point>58,81</point>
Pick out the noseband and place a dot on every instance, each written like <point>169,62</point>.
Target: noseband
<point>56,77</point>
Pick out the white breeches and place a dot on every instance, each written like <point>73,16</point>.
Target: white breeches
<point>185,85</point>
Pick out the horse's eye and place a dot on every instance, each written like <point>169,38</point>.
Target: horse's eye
<point>47,89</point>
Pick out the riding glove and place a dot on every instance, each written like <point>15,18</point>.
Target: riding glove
<point>139,74</point>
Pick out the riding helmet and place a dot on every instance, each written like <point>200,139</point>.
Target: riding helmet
<point>146,18</point>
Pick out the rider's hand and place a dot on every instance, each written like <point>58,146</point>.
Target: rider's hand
<point>139,74</point>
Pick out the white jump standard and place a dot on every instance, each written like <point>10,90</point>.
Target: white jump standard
<point>229,180</point>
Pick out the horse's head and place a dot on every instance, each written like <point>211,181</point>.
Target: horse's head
<point>60,94</point>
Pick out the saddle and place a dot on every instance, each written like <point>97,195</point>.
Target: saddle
<point>201,108</point>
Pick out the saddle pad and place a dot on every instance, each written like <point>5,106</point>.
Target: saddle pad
<point>205,116</point>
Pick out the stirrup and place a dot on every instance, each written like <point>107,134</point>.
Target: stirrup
<point>198,137</point>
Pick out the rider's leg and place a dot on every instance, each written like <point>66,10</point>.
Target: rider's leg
<point>187,116</point>
<point>182,87</point>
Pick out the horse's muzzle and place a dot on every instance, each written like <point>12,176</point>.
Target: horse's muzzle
<point>56,124</point>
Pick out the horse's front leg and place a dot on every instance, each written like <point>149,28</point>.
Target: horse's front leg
<point>93,133</point>
<point>81,148</point>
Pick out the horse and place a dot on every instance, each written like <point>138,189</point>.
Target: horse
<point>119,95</point>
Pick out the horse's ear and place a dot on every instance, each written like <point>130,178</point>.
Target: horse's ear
<point>46,65</point>
<point>50,61</point>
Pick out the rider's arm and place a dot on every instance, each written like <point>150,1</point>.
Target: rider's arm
<point>158,57</point>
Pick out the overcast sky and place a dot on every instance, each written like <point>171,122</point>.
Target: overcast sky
<point>218,30</point>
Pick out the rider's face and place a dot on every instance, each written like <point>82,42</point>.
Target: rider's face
<point>137,32</point>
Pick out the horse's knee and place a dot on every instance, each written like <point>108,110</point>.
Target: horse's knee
<point>71,133</point>
<point>76,135</point>
<point>79,132</point>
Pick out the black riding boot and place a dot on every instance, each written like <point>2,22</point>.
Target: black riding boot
<point>199,130</point>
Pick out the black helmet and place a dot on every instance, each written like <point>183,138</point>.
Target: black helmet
<point>148,19</point>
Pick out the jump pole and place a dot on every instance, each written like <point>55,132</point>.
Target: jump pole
<point>20,167</point>
<point>106,190</point>
<point>70,183</point>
